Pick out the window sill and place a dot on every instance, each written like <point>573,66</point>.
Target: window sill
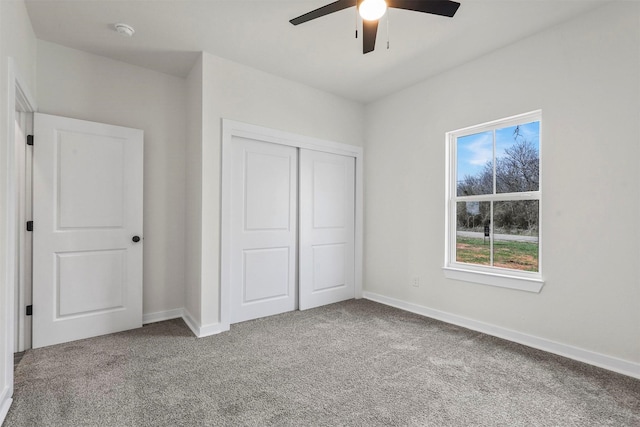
<point>492,279</point>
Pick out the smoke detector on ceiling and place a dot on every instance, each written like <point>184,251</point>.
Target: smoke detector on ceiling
<point>124,29</point>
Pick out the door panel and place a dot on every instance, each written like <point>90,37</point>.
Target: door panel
<point>327,233</point>
<point>266,274</point>
<point>328,266</point>
<point>87,189</point>
<point>263,229</point>
<point>267,191</point>
<point>91,181</point>
<point>328,191</point>
<point>85,281</point>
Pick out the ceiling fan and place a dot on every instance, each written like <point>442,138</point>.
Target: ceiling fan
<point>372,10</point>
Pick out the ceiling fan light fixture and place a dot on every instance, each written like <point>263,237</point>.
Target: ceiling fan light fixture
<point>372,10</point>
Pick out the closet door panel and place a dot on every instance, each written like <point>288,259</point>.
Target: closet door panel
<point>263,229</point>
<point>327,232</point>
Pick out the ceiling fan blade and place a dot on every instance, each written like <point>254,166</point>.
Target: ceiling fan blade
<point>369,30</point>
<point>324,10</point>
<point>436,7</point>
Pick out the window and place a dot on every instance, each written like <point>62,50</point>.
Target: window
<point>494,203</point>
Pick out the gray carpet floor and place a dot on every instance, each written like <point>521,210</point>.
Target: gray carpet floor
<point>356,363</point>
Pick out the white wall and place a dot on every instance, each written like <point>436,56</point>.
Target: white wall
<point>17,40</point>
<point>193,191</point>
<point>585,76</point>
<point>237,92</point>
<point>89,87</point>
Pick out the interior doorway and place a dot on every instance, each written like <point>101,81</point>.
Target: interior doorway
<point>19,100</point>
<point>18,208</point>
<point>23,154</point>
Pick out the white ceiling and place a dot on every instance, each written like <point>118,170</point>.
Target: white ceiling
<point>322,53</point>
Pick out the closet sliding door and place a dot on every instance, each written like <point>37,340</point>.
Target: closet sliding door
<point>288,228</point>
<point>327,228</point>
<point>263,229</point>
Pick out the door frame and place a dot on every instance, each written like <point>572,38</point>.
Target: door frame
<point>18,98</point>
<point>231,129</point>
<point>24,192</point>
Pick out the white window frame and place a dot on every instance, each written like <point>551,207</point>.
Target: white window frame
<point>488,275</point>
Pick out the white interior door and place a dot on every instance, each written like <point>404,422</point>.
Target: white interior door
<point>327,234</point>
<point>263,229</point>
<point>87,213</point>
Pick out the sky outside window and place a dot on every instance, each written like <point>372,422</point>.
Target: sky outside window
<point>475,152</point>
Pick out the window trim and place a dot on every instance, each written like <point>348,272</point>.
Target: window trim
<point>488,275</point>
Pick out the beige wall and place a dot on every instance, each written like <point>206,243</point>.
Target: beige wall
<point>89,87</point>
<point>234,91</point>
<point>585,76</point>
<point>18,41</point>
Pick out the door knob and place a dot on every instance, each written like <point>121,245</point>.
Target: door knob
<point>136,239</point>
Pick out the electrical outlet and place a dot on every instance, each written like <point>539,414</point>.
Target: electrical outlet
<point>415,281</point>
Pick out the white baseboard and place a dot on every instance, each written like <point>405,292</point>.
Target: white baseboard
<point>160,316</point>
<point>191,323</point>
<point>197,329</point>
<point>614,364</point>
<point>202,331</point>
<point>212,329</point>
<point>4,408</point>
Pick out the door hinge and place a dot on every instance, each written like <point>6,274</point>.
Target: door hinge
<point>29,225</point>
<point>29,139</point>
<point>29,310</point>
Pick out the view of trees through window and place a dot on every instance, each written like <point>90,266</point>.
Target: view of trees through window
<point>497,203</point>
